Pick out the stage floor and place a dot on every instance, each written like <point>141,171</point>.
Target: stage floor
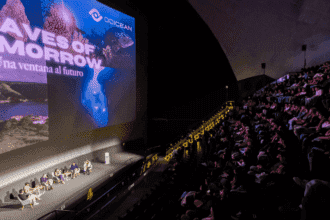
<point>66,194</point>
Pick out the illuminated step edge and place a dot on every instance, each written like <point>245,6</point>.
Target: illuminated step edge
<point>22,173</point>
<point>169,153</point>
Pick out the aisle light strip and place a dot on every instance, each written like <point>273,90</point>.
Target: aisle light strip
<point>208,126</point>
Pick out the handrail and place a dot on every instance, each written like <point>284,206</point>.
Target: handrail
<point>147,151</point>
<point>205,119</point>
<point>56,210</point>
<point>169,151</point>
<point>96,200</point>
<point>47,214</point>
<point>102,208</point>
<point>78,212</point>
<point>103,193</point>
<point>106,205</point>
<point>64,210</point>
<point>88,206</point>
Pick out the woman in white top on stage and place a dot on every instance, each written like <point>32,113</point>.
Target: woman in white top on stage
<point>87,167</point>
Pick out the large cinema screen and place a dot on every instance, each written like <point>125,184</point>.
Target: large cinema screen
<point>65,66</point>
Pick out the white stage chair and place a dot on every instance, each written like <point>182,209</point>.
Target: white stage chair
<point>24,202</point>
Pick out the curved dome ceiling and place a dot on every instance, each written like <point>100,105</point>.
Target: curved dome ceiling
<point>252,32</point>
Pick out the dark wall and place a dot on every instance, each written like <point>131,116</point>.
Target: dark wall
<point>188,69</point>
<point>247,87</point>
<point>187,61</point>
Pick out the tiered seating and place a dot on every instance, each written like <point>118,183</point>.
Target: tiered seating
<point>268,160</point>
<point>156,204</point>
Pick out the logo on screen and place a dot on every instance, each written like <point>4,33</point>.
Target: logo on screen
<point>95,15</point>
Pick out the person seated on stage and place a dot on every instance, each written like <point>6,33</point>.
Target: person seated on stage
<point>28,189</point>
<point>38,187</point>
<point>59,176</point>
<point>32,198</point>
<point>75,170</point>
<point>67,172</point>
<point>87,167</point>
<point>46,182</point>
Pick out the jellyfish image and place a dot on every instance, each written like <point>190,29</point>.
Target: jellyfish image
<point>94,99</point>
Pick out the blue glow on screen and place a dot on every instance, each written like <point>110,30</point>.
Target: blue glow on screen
<point>89,82</point>
<point>93,96</point>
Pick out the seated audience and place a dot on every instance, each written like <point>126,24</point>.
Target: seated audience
<point>256,158</point>
<point>321,130</point>
<point>309,125</point>
<point>307,117</point>
<point>313,100</point>
<point>316,200</point>
<point>326,99</point>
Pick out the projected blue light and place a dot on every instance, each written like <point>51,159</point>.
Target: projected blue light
<point>94,99</point>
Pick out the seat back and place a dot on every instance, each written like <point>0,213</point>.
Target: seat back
<point>19,199</point>
<point>53,176</point>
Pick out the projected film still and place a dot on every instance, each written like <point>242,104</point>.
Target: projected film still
<point>23,81</point>
<point>64,65</point>
<point>93,57</point>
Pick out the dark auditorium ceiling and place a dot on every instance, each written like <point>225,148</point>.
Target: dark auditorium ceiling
<point>252,32</point>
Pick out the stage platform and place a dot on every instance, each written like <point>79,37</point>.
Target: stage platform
<point>66,194</point>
